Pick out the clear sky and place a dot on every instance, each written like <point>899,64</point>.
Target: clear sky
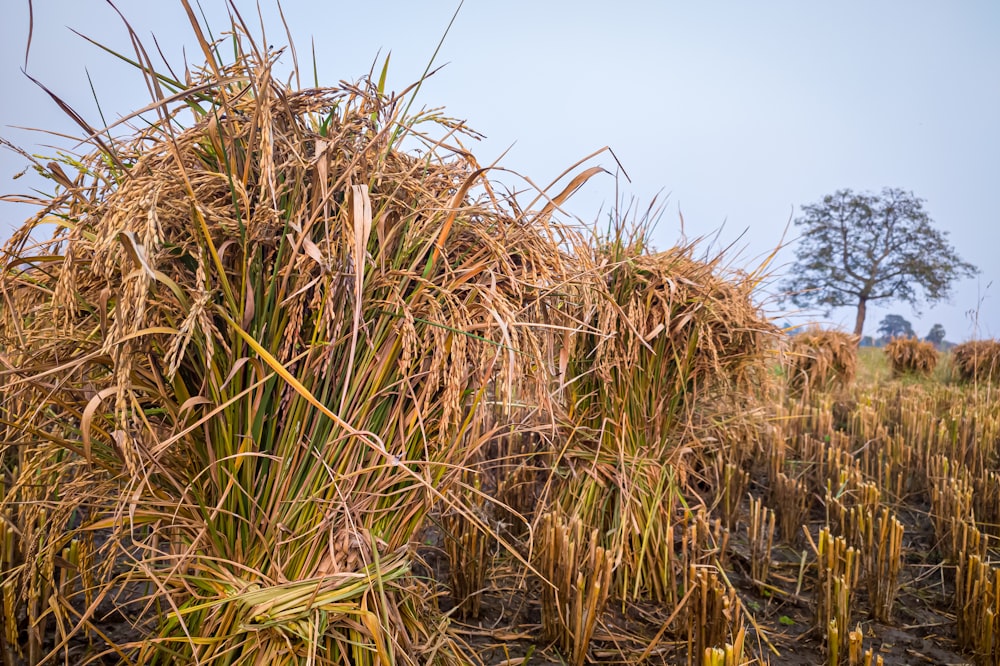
<point>733,113</point>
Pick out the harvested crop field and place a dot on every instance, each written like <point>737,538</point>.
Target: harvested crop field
<point>293,382</point>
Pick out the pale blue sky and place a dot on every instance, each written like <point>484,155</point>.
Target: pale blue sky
<point>736,112</point>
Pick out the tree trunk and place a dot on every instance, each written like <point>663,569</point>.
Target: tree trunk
<point>859,323</point>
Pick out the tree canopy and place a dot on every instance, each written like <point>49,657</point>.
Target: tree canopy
<point>895,326</point>
<point>856,248</point>
<point>936,334</point>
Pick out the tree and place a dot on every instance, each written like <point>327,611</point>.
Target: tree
<point>856,248</point>
<point>894,326</point>
<point>936,335</point>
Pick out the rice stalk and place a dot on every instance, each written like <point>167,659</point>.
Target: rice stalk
<point>714,614</point>
<point>838,570</point>
<point>730,655</point>
<point>790,499</point>
<point>951,506</point>
<point>467,547</point>
<point>761,538</point>
<point>977,600</point>
<point>577,583</point>
<point>668,355</point>
<point>733,485</point>
<point>882,554</point>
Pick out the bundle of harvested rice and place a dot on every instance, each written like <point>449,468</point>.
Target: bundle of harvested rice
<point>261,344</point>
<point>671,346</point>
<point>663,332</point>
<point>978,360</point>
<point>821,359</point>
<point>911,356</point>
<point>265,339</point>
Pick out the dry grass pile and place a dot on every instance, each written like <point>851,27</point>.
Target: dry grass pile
<point>821,359</point>
<point>911,356</point>
<point>673,351</point>
<point>261,344</point>
<point>664,333</point>
<point>978,360</point>
<point>266,341</point>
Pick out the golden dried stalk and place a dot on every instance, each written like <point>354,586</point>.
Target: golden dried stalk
<point>951,504</point>
<point>833,643</point>
<point>837,569</point>
<point>777,455</point>
<point>514,464</point>
<point>713,612</point>
<point>9,625</point>
<point>871,658</point>
<point>977,599</point>
<point>831,463</point>
<point>838,516</point>
<point>735,481</point>
<point>702,541</point>
<point>761,538</point>
<point>730,655</point>
<point>846,511</point>
<point>842,470</point>
<point>841,611</point>
<point>578,579</point>
<point>821,360</point>
<point>467,547</point>
<point>869,496</point>
<point>719,539</point>
<point>855,640</point>
<point>790,497</point>
<point>986,502</point>
<point>882,545</point>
